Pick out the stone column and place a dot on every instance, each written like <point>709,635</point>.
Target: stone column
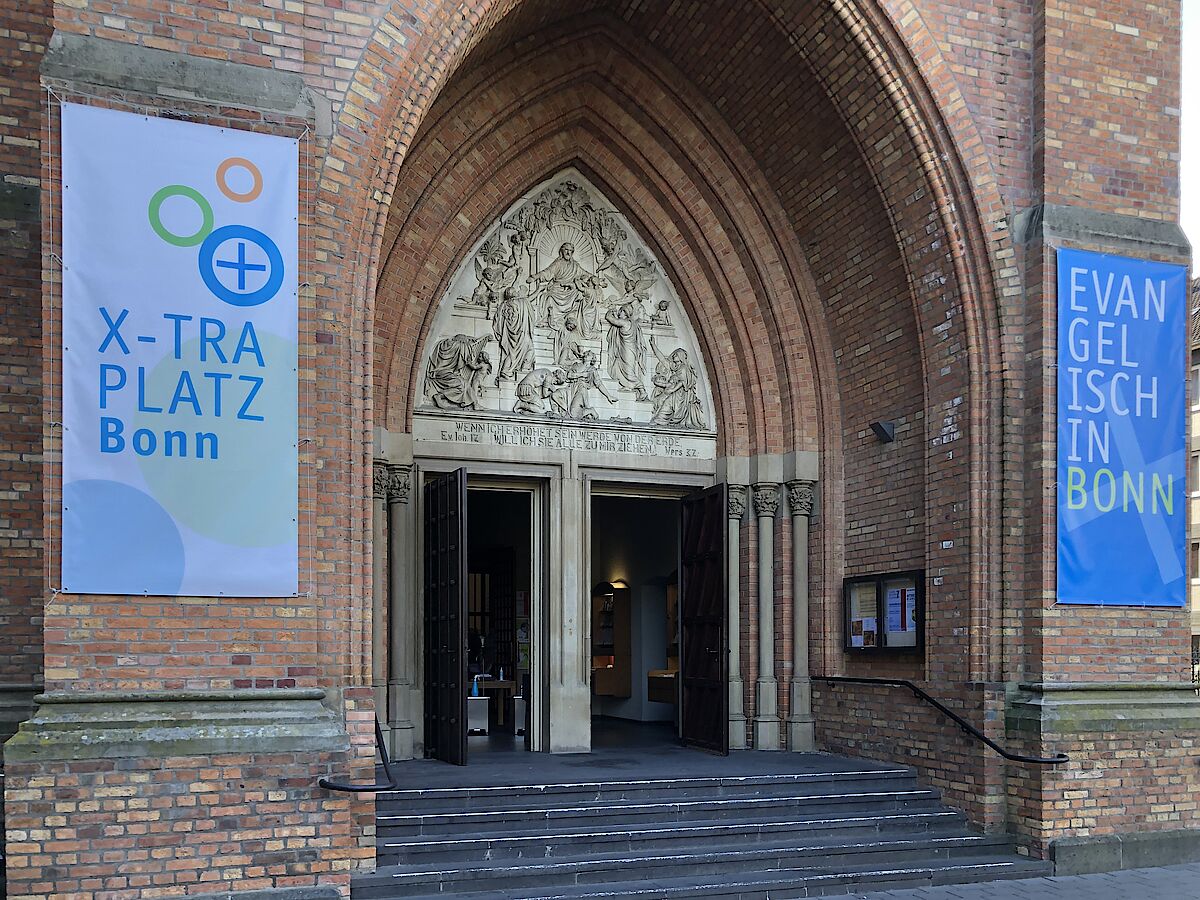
<point>403,636</point>
<point>379,586</point>
<point>800,718</point>
<point>737,714</point>
<point>766,715</point>
<point>381,485</point>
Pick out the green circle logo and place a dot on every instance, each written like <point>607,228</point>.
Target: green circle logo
<point>180,240</point>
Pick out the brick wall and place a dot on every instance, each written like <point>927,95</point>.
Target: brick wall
<point>1115,784</point>
<point>1110,109</point>
<point>24,30</point>
<point>149,827</point>
<point>866,721</point>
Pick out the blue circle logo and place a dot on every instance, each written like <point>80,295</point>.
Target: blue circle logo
<point>240,268</point>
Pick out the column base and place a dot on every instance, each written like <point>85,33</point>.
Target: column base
<point>801,735</point>
<point>737,732</point>
<point>766,734</point>
<point>571,719</point>
<point>737,718</point>
<point>800,729</point>
<point>401,740</point>
<point>399,726</point>
<point>380,690</point>
<point>766,723</point>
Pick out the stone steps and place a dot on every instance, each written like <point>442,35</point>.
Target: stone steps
<point>408,801</point>
<point>760,835</point>
<point>536,845</point>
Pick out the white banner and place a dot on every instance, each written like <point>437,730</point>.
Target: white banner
<point>179,357</point>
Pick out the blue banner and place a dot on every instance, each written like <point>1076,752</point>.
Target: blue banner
<point>1121,431</point>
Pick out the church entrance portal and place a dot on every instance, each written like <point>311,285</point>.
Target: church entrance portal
<point>655,646</point>
<point>561,356</point>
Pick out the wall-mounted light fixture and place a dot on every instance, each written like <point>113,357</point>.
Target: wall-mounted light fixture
<point>885,431</point>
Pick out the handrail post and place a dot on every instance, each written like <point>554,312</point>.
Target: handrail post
<point>390,785</point>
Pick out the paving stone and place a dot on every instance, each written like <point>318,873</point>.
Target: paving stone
<point>1165,883</point>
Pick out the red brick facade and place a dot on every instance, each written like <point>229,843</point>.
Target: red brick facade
<point>834,189</point>
<point>24,31</point>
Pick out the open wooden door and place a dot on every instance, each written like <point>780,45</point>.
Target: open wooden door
<point>445,618</point>
<point>703,649</point>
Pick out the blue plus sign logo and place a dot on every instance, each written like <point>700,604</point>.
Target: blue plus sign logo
<point>234,259</point>
<point>241,266</point>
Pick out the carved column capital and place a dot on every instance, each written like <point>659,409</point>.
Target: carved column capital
<point>399,483</point>
<point>800,497</point>
<point>381,477</point>
<point>737,500</point>
<point>766,499</point>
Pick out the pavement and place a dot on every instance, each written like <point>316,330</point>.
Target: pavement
<point>1163,883</point>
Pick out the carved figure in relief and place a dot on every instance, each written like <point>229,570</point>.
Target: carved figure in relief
<point>512,326</point>
<point>567,296</point>
<point>674,398</point>
<point>632,270</point>
<point>457,368</point>
<point>539,387</point>
<point>627,345</point>
<point>583,375</point>
<point>495,270</point>
<point>661,316</point>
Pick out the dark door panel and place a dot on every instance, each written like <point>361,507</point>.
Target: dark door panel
<point>704,658</point>
<point>445,617</point>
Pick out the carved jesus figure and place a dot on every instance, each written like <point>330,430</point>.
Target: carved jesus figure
<point>566,300</point>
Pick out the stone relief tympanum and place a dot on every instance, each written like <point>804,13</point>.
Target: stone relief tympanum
<point>586,326</point>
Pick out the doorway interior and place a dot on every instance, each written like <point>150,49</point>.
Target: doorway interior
<point>634,573</point>
<point>482,596</point>
<point>499,610</point>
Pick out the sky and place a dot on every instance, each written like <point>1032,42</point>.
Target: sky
<point>1189,166</point>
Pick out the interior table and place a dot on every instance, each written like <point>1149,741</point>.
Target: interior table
<point>502,691</point>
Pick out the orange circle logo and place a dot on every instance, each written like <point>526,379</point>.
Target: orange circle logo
<point>240,163</point>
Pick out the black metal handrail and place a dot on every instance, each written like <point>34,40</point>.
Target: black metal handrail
<point>962,723</point>
<point>392,783</point>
